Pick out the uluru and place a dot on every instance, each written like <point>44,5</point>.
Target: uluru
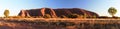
<point>56,12</point>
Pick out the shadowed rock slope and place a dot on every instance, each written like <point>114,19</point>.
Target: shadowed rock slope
<point>56,12</point>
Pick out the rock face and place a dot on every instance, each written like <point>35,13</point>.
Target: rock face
<point>66,11</point>
<point>56,12</point>
<point>23,13</point>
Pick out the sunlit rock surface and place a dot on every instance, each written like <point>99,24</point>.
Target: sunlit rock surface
<point>56,12</point>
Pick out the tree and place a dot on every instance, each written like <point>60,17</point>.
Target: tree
<point>6,13</point>
<point>112,11</point>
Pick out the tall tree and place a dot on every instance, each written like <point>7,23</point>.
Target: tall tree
<point>112,11</point>
<point>6,13</point>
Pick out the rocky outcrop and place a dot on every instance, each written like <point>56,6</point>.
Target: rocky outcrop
<point>37,12</point>
<point>23,13</point>
<point>67,11</point>
<point>56,12</point>
<point>48,11</point>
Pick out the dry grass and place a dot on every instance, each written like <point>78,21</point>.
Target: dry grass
<point>47,23</point>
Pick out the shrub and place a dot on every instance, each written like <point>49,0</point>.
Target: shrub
<point>15,17</point>
<point>63,16</point>
<point>46,16</point>
<point>94,16</point>
<point>81,16</point>
<point>40,17</point>
<point>34,16</point>
<point>28,17</point>
<point>85,16</point>
<point>61,24</point>
<point>73,16</point>
<point>70,23</point>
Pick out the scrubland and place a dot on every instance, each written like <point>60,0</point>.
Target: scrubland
<point>59,23</point>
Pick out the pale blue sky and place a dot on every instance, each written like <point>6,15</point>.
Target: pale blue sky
<point>98,6</point>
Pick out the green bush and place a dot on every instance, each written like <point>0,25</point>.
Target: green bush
<point>73,16</point>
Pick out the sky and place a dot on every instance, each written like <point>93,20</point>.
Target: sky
<point>98,6</point>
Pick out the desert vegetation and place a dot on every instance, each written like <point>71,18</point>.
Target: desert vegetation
<point>46,16</point>
<point>72,15</point>
<point>6,13</point>
<point>112,11</point>
<point>60,23</point>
